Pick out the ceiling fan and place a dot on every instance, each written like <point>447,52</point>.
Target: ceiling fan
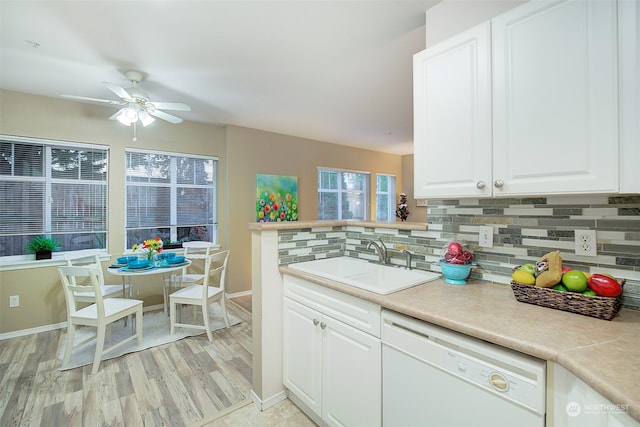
<point>135,103</point>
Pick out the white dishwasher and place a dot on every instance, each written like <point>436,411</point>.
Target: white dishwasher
<point>432,376</point>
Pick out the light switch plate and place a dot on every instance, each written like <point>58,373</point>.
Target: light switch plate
<point>485,237</point>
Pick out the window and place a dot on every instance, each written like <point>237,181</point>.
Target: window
<point>343,194</point>
<point>171,196</point>
<point>52,188</point>
<point>385,197</point>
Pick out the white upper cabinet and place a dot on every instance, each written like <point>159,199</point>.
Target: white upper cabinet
<point>629,40</point>
<point>555,121</point>
<point>527,105</point>
<point>452,116</point>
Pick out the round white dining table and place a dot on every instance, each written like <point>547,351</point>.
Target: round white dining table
<point>175,272</point>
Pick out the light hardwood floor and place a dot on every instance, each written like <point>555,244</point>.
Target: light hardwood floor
<point>175,384</point>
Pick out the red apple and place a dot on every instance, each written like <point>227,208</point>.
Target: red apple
<point>454,248</point>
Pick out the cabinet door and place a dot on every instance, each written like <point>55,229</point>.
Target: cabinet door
<point>352,372</point>
<point>555,98</point>
<point>629,54</point>
<point>302,353</point>
<point>452,117</point>
<point>575,404</point>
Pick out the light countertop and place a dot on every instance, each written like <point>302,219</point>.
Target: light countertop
<point>605,354</point>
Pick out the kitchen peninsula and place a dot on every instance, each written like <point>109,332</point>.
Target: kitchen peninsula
<point>603,354</point>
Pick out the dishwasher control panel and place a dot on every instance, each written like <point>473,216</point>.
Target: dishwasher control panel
<point>493,378</point>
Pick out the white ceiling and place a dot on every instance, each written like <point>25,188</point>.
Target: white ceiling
<point>335,71</point>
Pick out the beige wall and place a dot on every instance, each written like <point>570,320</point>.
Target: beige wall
<point>242,152</point>
<point>252,152</point>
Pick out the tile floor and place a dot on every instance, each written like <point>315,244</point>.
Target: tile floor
<point>246,414</point>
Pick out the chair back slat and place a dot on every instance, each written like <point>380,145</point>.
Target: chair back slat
<point>197,249</point>
<point>74,280</point>
<point>216,265</point>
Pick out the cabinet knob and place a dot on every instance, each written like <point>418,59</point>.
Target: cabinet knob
<point>480,185</point>
<point>498,183</point>
<point>315,322</point>
<point>323,325</point>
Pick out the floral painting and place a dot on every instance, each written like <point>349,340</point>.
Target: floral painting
<point>277,198</point>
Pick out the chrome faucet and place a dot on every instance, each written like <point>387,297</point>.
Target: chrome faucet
<point>407,258</point>
<point>381,249</point>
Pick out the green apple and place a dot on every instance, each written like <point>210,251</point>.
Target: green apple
<point>560,287</point>
<point>575,281</point>
<point>529,268</point>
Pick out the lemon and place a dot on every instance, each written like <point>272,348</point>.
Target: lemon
<point>523,277</point>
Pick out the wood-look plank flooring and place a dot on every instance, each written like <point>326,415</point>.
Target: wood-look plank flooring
<point>244,302</point>
<point>175,384</point>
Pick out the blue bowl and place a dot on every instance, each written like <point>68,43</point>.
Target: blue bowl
<point>126,259</point>
<point>139,264</point>
<point>176,260</point>
<point>455,273</point>
<point>167,255</point>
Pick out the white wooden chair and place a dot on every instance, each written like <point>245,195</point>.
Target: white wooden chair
<point>193,250</point>
<point>204,294</point>
<point>106,291</point>
<point>100,314</point>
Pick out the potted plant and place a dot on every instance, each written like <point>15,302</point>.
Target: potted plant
<point>43,246</point>
<point>170,244</point>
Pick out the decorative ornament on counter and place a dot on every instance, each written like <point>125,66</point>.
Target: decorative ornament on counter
<point>402,212</point>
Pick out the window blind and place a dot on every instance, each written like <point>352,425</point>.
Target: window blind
<point>171,196</point>
<point>52,188</point>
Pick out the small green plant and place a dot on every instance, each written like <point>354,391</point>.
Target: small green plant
<point>42,244</point>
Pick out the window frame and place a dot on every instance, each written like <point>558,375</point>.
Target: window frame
<point>173,185</point>
<point>340,191</point>
<point>49,181</point>
<point>391,193</point>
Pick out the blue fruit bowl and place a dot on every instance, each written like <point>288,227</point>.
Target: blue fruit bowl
<point>176,260</point>
<point>455,273</point>
<point>126,259</point>
<point>139,264</point>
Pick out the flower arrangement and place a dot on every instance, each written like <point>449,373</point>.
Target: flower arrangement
<point>150,247</point>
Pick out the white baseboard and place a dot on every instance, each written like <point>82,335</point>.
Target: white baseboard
<point>239,294</point>
<point>61,325</point>
<point>37,329</point>
<point>268,403</point>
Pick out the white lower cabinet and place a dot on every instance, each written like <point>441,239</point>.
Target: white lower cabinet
<point>330,366</point>
<point>575,404</point>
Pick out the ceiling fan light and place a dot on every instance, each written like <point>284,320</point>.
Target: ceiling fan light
<point>145,118</point>
<point>127,116</point>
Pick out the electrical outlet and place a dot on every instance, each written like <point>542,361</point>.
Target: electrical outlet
<point>585,242</point>
<point>485,237</point>
<point>14,301</point>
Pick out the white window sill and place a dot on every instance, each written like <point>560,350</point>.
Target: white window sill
<point>58,259</point>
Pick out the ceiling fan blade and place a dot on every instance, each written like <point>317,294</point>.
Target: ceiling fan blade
<point>84,98</point>
<point>177,106</point>
<point>164,116</point>
<point>120,92</point>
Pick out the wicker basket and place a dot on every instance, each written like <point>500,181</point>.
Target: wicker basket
<point>601,307</point>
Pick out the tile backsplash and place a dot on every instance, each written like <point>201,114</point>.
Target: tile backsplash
<point>524,230</point>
